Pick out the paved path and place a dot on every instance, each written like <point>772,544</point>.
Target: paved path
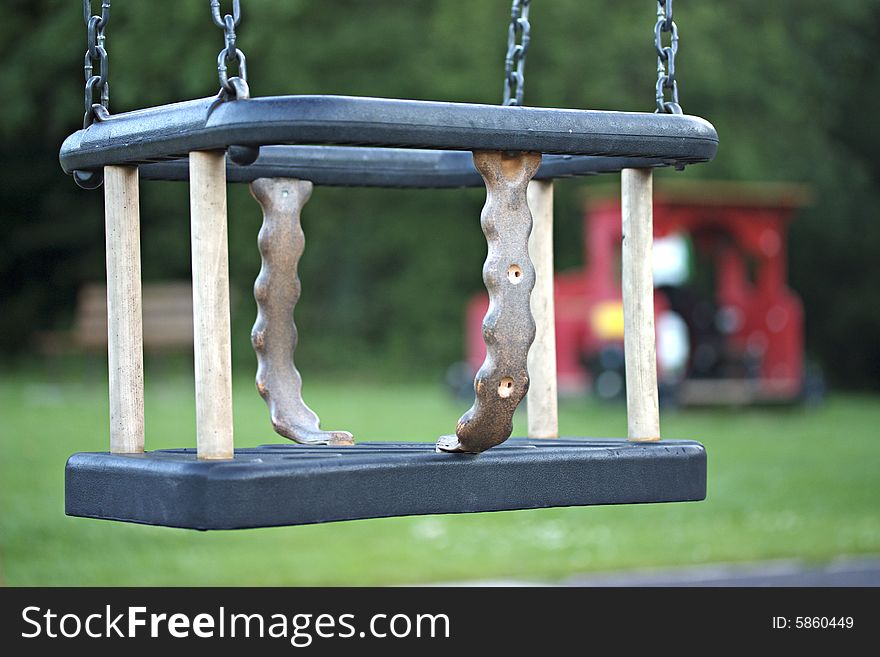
<point>840,572</point>
<point>848,571</point>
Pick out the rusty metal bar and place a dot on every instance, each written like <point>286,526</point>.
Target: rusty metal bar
<point>508,328</point>
<point>277,290</point>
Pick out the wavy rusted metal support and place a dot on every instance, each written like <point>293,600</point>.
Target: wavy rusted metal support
<point>508,327</point>
<point>277,290</point>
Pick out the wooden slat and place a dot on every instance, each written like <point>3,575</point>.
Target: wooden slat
<point>210,271</point>
<point>124,325</point>
<point>541,401</point>
<point>640,352</point>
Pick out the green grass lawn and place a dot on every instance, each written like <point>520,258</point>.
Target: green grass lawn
<point>782,483</point>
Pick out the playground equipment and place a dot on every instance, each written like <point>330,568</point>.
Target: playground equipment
<point>285,145</point>
<point>730,330</point>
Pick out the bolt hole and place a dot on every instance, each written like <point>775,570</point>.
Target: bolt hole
<point>506,387</point>
<point>514,274</point>
<point>285,194</point>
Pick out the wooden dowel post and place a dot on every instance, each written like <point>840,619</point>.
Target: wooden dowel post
<point>210,273</point>
<point>639,342</point>
<point>125,342</point>
<point>541,401</point>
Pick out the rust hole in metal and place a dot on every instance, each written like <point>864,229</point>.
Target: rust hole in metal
<point>514,274</point>
<point>506,387</point>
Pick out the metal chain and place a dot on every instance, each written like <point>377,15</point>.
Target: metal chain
<point>666,59</point>
<point>515,61</point>
<point>237,86</point>
<point>97,86</point>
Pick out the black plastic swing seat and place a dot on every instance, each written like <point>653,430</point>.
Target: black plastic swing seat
<point>291,484</point>
<point>170,132</point>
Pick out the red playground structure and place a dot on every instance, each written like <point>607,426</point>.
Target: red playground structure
<point>729,329</point>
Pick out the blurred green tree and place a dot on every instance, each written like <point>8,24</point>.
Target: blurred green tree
<point>791,87</point>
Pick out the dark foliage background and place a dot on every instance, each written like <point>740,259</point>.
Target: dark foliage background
<point>792,87</point>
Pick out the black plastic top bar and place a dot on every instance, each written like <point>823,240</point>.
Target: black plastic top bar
<point>347,166</point>
<point>172,131</point>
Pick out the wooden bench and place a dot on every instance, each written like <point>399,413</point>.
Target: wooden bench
<point>167,317</point>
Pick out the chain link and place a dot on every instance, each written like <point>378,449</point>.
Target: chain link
<point>97,90</point>
<point>515,61</point>
<point>237,86</point>
<point>666,59</point>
